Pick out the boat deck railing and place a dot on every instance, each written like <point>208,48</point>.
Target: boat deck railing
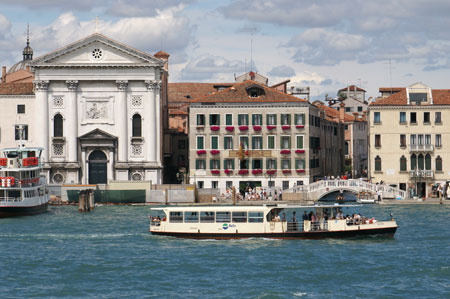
<point>10,199</point>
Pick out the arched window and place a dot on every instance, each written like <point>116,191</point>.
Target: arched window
<point>58,125</point>
<point>413,161</point>
<point>137,126</point>
<point>403,163</point>
<point>438,163</point>
<point>377,163</point>
<point>420,164</point>
<point>428,162</point>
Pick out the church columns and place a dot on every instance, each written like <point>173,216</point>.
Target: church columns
<point>152,87</point>
<point>122,120</point>
<point>72,122</point>
<point>84,167</point>
<point>111,175</point>
<point>41,127</point>
<point>158,121</point>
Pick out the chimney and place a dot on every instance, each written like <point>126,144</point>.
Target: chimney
<point>355,116</point>
<point>342,112</point>
<point>163,56</point>
<point>4,74</point>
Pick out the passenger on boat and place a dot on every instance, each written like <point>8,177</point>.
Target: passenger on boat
<point>294,217</point>
<point>284,217</point>
<point>305,216</point>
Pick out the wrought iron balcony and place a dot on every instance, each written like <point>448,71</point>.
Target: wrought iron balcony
<point>421,174</point>
<point>421,148</point>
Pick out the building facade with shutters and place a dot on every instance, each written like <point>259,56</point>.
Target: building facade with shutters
<point>252,135</point>
<point>409,137</point>
<point>96,109</point>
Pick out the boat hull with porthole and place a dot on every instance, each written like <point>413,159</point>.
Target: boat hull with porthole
<point>237,222</point>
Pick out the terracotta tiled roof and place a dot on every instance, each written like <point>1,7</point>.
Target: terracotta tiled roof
<point>352,88</point>
<point>238,93</point>
<point>179,92</point>
<point>333,114</point>
<point>440,97</point>
<point>16,89</point>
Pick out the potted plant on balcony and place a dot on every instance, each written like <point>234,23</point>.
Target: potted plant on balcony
<point>215,152</point>
<point>243,171</point>
<point>215,171</point>
<point>229,128</point>
<point>286,127</point>
<point>257,128</point>
<point>243,128</point>
<point>286,171</point>
<point>228,171</point>
<point>300,171</point>
<point>271,127</point>
<point>215,128</point>
<point>201,152</point>
<point>299,126</point>
<point>300,151</point>
<point>285,152</point>
<point>256,171</point>
<point>271,171</point>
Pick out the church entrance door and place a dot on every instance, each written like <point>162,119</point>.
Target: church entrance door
<point>98,168</point>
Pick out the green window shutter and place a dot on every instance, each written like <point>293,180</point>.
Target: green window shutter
<point>239,120</point>
<point>275,164</point>
<point>199,119</point>
<point>275,120</point>
<point>300,142</point>
<point>246,119</point>
<point>210,119</point>
<point>196,164</point>
<point>218,164</point>
<point>289,119</point>
<point>199,142</point>
<point>253,163</point>
<point>211,164</point>
<point>253,119</point>
<point>232,163</point>
<point>267,119</point>
<point>289,142</point>
<point>229,119</point>
<point>214,142</point>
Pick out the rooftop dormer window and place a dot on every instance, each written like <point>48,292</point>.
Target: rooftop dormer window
<point>418,98</point>
<point>255,91</point>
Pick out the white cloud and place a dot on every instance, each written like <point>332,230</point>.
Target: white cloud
<point>209,67</point>
<point>282,71</point>
<point>5,26</point>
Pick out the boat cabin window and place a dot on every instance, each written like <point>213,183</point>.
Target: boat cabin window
<point>190,216</point>
<point>223,216</point>
<point>255,216</point>
<point>176,217</point>
<point>239,217</point>
<point>206,217</point>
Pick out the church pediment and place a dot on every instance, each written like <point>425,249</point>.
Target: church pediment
<point>96,50</point>
<point>97,134</point>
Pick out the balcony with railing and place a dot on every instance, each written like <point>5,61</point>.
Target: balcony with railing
<point>421,173</point>
<point>421,148</point>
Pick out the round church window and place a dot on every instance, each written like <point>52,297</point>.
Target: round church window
<point>97,54</point>
<point>58,178</point>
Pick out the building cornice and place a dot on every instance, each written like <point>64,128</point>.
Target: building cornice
<point>410,107</point>
<point>247,105</point>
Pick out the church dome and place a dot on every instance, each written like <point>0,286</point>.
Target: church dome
<point>21,65</point>
<point>27,57</point>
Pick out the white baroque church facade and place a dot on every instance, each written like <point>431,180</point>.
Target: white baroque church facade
<point>96,111</point>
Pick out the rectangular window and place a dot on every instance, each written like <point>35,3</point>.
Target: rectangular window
<point>176,217</point>
<point>223,217</point>
<point>285,185</point>
<point>214,164</point>
<point>200,119</point>
<point>257,119</point>
<point>437,118</point>
<point>243,142</point>
<point>413,117</point>
<point>299,164</point>
<point>20,109</point>
<point>403,117</point>
<point>229,119</point>
<point>376,118</point>
<point>377,140</point>
<point>200,184</point>
<point>402,140</point>
<point>200,164</point>
<point>271,163</point>
<point>207,217</point>
<point>243,119</point>
<point>285,119</point>
<point>438,163</point>
<point>346,148</point>
<point>228,163</point>
<point>299,141</point>
<point>17,131</point>
<point>438,140</point>
<point>254,217</point>
<point>229,185</point>
<point>377,164</point>
<point>214,142</point>
<point>420,139</point>
<point>285,142</point>
<point>271,142</point>
<point>300,119</point>
<point>257,142</point>
<point>214,184</point>
<point>427,139</point>
<point>346,127</point>
<point>413,139</point>
<point>360,108</point>
<point>403,164</point>
<point>200,142</point>
<point>426,118</point>
<point>214,120</point>
<point>257,164</point>
<point>228,142</point>
<point>190,217</point>
<point>348,109</point>
<point>239,217</point>
<point>244,164</point>
<point>271,119</point>
<point>286,164</point>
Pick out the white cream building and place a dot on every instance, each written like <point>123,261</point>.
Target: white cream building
<point>409,137</point>
<point>96,111</point>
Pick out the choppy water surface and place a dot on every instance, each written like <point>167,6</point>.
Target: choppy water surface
<point>109,253</point>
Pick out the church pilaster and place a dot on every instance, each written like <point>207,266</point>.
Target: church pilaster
<point>122,120</point>
<point>152,87</point>
<point>72,124</point>
<point>41,127</point>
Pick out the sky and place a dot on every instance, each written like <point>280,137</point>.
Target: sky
<point>323,44</point>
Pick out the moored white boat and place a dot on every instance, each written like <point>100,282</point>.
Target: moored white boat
<point>23,190</point>
<point>269,221</point>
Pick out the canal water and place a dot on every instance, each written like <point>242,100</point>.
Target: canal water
<point>109,254</point>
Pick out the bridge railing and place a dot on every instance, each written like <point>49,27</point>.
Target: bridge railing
<point>357,185</point>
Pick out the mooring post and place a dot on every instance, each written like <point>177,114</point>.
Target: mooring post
<point>91,200</point>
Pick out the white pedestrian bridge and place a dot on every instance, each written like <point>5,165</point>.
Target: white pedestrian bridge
<point>317,190</point>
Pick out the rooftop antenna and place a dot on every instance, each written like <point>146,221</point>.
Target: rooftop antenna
<point>360,82</point>
<point>28,34</point>
<point>252,32</point>
<point>390,72</point>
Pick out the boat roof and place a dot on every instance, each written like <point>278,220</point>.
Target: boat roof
<point>22,149</point>
<point>246,207</point>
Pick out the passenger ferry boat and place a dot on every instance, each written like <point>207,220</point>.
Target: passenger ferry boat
<point>23,190</point>
<point>268,221</point>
